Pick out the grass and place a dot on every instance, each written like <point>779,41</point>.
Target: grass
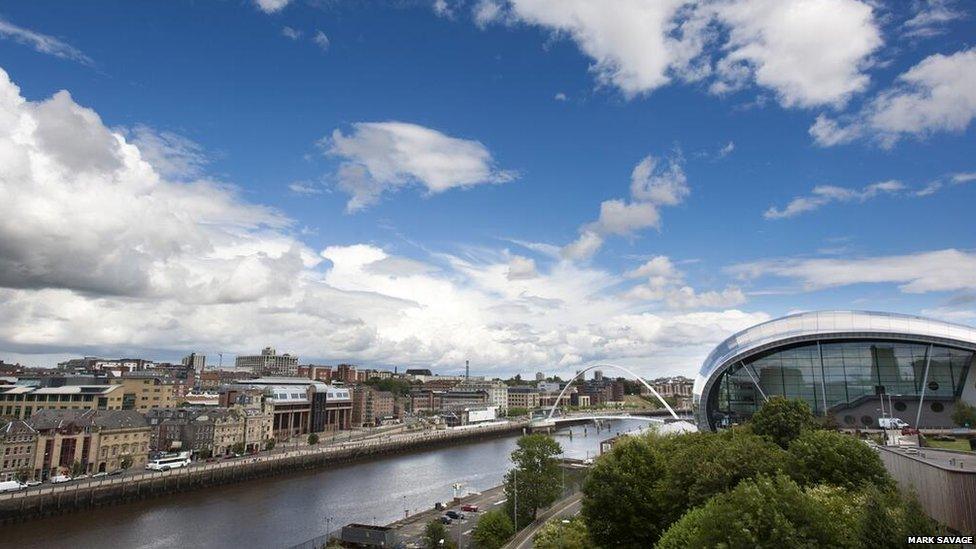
<point>949,444</point>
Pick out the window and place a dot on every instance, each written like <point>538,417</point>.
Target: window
<point>937,407</point>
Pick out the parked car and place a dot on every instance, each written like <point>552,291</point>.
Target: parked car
<point>99,475</point>
<point>455,515</point>
<point>445,519</point>
<point>439,506</point>
<point>57,479</point>
<point>892,423</point>
<point>10,486</point>
<point>116,472</point>
<point>30,483</point>
<point>469,508</point>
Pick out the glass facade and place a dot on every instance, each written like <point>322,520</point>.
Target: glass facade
<point>839,375</point>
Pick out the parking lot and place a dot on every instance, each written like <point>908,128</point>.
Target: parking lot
<point>411,529</point>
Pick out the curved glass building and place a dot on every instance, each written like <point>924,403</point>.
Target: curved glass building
<point>846,363</point>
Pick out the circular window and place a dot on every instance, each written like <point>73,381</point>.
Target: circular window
<point>849,420</point>
<point>936,407</point>
<point>866,420</point>
<point>933,386</point>
<point>900,406</point>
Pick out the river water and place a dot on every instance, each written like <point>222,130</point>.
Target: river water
<point>289,509</point>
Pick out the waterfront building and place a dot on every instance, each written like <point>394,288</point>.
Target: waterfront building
<point>268,363</point>
<point>523,397</point>
<point>228,430</point>
<point>371,407</point>
<point>98,441</point>
<point>18,441</point>
<point>848,364</point>
<point>22,401</point>
<point>299,405</point>
<point>497,391</point>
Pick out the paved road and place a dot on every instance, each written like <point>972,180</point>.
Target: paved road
<point>411,530</point>
<point>564,508</point>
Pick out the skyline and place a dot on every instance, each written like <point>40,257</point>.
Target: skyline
<point>524,185</point>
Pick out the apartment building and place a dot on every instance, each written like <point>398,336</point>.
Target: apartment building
<point>22,401</point>
<point>18,441</point>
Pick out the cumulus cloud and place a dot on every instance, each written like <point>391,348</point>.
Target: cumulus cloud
<point>653,183</point>
<point>665,283</point>
<point>271,6</point>
<point>42,43</point>
<point>171,154</point>
<point>520,268</point>
<point>936,95</point>
<point>825,194</point>
<point>99,250</point>
<point>931,271</point>
<point>384,156</point>
<point>809,52</point>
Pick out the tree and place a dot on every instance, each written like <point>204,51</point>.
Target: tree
<point>888,517</point>
<point>781,420</point>
<point>559,534</point>
<point>535,482</point>
<point>269,444</point>
<point>238,448</point>
<point>761,512</point>
<point>493,530</point>
<point>633,493</point>
<point>963,414</point>
<point>516,411</point>
<point>23,475</point>
<point>435,535</point>
<point>313,439</point>
<point>827,457</point>
<point>77,468</point>
<point>126,461</point>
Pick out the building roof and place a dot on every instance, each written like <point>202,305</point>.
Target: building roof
<point>106,419</point>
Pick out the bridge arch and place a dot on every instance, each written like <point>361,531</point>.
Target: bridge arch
<point>614,366</point>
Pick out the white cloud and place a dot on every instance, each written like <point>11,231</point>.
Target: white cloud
<point>825,194</point>
<point>384,156</point>
<point>936,95</point>
<point>964,177</point>
<point>42,43</point>
<point>443,8</point>
<point>171,154</point>
<point>810,52</point>
<point>931,18</point>
<point>321,40</point>
<point>561,97</point>
<point>293,34</point>
<point>521,268</point>
<point>304,187</point>
<point>726,150</point>
<point>652,184</point>
<point>932,271</point>
<point>102,254</point>
<point>665,282</point>
<point>271,6</point>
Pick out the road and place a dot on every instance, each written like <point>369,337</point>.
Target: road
<point>564,508</point>
<point>411,530</point>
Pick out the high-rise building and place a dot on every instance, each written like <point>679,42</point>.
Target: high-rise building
<point>196,361</point>
<point>598,375</point>
<point>269,362</point>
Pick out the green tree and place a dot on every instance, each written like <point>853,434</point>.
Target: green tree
<point>516,411</point>
<point>763,512</point>
<point>23,475</point>
<point>888,517</point>
<point>633,493</point>
<point>493,530</point>
<point>435,534</point>
<point>964,415</point>
<point>269,444</point>
<point>238,448</point>
<point>77,468</point>
<point>313,439</point>
<point>781,420</point>
<point>126,461</point>
<point>557,534</point>
<point>535,482</point>
<point>828,457</point>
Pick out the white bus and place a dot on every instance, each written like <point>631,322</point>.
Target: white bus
<point>167,462</point>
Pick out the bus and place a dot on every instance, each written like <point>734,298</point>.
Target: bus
<point>169,461</point>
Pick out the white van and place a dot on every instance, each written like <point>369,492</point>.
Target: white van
<point>10,486</point>
<point>57,479</point>
<point>891,423</point>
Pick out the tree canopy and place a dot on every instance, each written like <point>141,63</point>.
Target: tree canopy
<point>837,459</point>
<point>781,420</point>
<point>494,528</point>
<point>536,480</point>
<point>557,534</point>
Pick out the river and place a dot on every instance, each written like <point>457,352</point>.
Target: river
<point>285,510</point>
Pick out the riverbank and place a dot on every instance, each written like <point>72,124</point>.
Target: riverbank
<point>53,500</point>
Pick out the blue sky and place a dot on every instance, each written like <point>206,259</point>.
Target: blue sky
<point>533,185</point>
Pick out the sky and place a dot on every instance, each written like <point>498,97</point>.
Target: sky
<point>531,185</point>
